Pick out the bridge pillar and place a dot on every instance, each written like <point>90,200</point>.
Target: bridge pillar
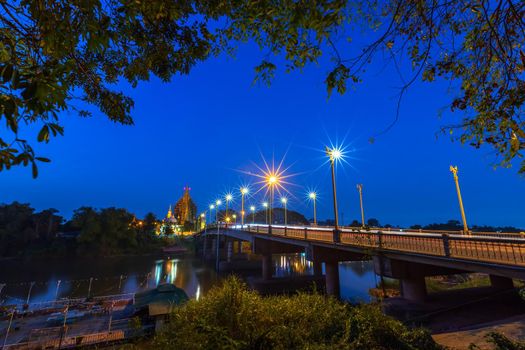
<point>229,250</point>
<point>239,247</point>
<point>214,246</point>
<point>499,282</point>
<point>332,278</point>
<point>318,267</point>
<point>204,244</point>
<point>267,268</point>
<point>413,288</point>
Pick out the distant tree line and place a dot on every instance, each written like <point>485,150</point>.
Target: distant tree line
<point>90,231</point>
<point>450,225</point>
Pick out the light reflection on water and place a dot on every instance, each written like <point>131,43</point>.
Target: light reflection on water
<point>356,277</point>
<point>132,274</point>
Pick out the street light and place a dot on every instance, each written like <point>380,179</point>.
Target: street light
<point>313,196</point>
<point>334,154</point>
<point>272,180</point>
<point>228,198</point>
<point>360,189</point>
<point>252,209</point>
<point>244,191</point>
<point>217,204</point>
<point>284,200</point>
<point>265,205</point>
<point>234,216</point>
<point>454,170</point>
<point>212,206</point>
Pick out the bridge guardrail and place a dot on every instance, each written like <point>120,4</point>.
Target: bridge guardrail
<point>502,250</point>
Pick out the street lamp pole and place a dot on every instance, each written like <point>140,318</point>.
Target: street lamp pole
<point>244,191</point>
<point>217,243</point>
<point>313,197</point>
<point>265,205</point>
<point>360,189</point>
<point>284,200</point>
<point>454,170</point>
<point>333,156</point>
<point>252,208</point>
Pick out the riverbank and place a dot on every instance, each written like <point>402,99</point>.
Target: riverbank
<point>513,328</point>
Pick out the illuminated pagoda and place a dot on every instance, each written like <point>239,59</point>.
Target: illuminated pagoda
<point>185,211</point>
<point>169,224</point>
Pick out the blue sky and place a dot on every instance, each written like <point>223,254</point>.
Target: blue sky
<point>207,128</point>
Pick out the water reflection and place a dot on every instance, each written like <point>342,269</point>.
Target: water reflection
<point>292,265</point>
<point>55,279</point>
<point>356,277</point>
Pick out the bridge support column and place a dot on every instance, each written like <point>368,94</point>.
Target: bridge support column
<point>229,250</point>
<point>214,246</point>
<point>499,282</point>
<point>267,268</point>
<point>332,278</point>
<point>239,247</point>
<point>318,268</point>
<point>204,244</point>
<point>413,288</point>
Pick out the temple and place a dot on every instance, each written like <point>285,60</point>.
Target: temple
<point>182,218</point>
<point>185,210</point>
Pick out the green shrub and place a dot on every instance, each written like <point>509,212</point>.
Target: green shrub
<point>233,317</point>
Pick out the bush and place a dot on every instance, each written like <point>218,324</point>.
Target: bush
<point>232,317</point>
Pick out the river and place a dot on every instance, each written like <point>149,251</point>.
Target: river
<point>43,280</point>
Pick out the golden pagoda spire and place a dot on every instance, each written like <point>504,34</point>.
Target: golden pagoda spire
<point>169,213</point>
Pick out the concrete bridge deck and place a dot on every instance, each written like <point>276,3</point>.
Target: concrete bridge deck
<point>407,255</point>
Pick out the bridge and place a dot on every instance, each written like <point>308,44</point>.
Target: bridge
<point>409,256</point>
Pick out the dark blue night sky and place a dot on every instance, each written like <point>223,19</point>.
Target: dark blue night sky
<point>207,128</point>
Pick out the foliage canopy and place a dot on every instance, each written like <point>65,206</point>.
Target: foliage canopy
<point>57,55</point>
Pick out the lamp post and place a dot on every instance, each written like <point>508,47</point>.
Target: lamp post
<point>272,180</point>
<point>203,217</point>
<point>265,205</point>
<point>244,191</point>
<point>212,206</point>
<point>313,197</point>
<point>360,189</point>
<point>334,154</point>
<point>217,204</point>
<point>252,209</point>
<point>284,200</point>
<point>234,216</point>
<point>228,199</point>
<point>454,170</point>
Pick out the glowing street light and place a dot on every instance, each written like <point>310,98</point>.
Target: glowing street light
<point>212,206</point>
<point>265,205</point>
<point>272,180</point>
<point>334,154</point>
<point>244,191</point>
<point>454,170</point>
<point>234,216</point>
<point>284,200</point>
<point>313,196</point>
<point>360,189</point>
<point>252,209</point>
<point>228,199</point>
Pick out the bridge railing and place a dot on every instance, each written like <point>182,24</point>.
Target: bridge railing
<point>510,251</point>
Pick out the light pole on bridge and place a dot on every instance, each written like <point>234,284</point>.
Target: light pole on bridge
<point>217,204</point>
<point>313,196</point>
<point>244,191</point>
<point>284,200</point>
<point>360,189</point>
<point>334,154</point>
<point>454,170</point>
